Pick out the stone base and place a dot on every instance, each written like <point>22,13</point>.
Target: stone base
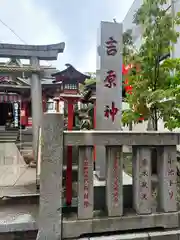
<point>19,217</point>
<point>164,235</point>
<point>74,228</point>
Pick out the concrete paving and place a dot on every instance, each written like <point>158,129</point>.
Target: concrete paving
<point>16,177</point>
<point>21,217</point>
<point>10,155</point>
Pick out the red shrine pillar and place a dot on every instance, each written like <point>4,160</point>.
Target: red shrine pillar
<point>24,114</point>
<point>69,156</point>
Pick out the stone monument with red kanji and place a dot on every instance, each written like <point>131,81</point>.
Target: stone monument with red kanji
<point>108,85</point>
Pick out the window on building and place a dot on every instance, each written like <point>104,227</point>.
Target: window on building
<point>50,105</point>
<point>70,86</point>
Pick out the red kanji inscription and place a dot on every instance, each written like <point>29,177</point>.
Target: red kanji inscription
<point>110,80</point>
<point>145,173</point>
<point>111,47</point>
<point>116,187</point>
<point>144,184</point>
<point>171,172</point>
<point>171,194</point>
<point>144,196</point>
<point>86,184</point>
<point>111,112</point>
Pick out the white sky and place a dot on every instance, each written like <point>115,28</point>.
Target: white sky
<point>47,22</point>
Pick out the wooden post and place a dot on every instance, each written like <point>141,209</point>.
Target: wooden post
<point>85,183</point>
<point>114,183</point>
<point>51,177</point>
<point>142,195</point>
<point>167,175</point>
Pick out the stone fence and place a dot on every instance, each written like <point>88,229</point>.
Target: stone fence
<point>85,220</point>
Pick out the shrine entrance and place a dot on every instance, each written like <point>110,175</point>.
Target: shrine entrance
<point>34,53</point>
<point>5,109</point>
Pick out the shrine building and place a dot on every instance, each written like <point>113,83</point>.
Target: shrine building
<point>58,88</point>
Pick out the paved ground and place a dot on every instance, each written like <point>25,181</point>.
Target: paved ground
<point>15,176</point>
<point>17,179</point>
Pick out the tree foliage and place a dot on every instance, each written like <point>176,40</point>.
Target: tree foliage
<point>128,47</point>
<point>89,81</point>
<point>84,116</point>
<point>155,84</point>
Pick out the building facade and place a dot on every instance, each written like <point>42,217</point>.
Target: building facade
<point>58,88</point>
<point>15,92</point>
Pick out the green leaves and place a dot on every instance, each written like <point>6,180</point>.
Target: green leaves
<point>156,88</point>
<point>128,47</point>
<point>130,116</point>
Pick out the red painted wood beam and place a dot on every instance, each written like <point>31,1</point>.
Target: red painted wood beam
<point>69,157</point>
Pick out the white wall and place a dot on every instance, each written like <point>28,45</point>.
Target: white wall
<point>177,45</point>
<point>128,20</point>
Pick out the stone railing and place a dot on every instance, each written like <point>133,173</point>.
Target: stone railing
<point>114,217</point>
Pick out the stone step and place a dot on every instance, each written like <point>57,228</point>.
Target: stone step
<point>27,235</point>
<point>8,136</point>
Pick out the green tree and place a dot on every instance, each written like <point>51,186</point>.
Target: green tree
<point>129,48</point>
<point>84,116</point>
<point>155,89</point>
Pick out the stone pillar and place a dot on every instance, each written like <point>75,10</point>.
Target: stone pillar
<point>142,195</point>
<point>85,183</point>
<point>51,177</point>
<point>114,181</point>
<point>167,175</point>
<point>36,101</point>
<point>108,85</point>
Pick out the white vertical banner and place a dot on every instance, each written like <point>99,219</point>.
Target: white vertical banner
<point>16,114</point>
<point>109,84</point>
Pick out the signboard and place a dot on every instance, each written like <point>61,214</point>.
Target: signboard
<point>109,84</point>
<point>16,114</point>
<point>4,78</point>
